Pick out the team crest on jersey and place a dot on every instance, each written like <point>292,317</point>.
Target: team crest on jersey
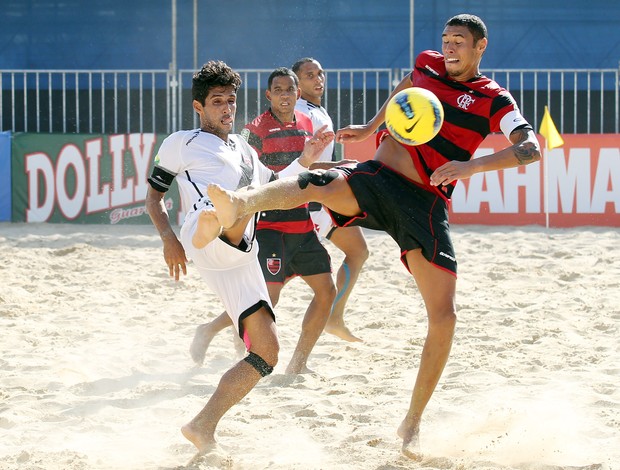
<point>274,265</point>
<point>464,101</point>
<point>247,160</point>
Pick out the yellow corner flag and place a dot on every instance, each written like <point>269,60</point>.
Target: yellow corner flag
<point>550,132</point>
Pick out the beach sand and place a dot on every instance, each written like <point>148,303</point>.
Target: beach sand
<point>95,371</point>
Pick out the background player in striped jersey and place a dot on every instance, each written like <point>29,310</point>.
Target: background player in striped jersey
<point>226,259</point>
<point>349,240</point>
<point>405,190</point>
<point>288,243</point>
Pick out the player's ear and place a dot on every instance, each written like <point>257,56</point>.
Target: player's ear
<point>268,94</point>
<point>197,106</point>
<point>298,92</point>
<point>481,45</point>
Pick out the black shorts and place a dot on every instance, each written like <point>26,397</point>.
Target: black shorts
<point>411,215</point>
<point>285,255</point>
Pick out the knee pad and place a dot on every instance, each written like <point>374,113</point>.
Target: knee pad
<point>316,177</point>
<point>259,364</point>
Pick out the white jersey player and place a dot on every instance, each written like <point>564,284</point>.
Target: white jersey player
<point>226,258</point>
<point>318,115</point>
<point>195,159</point>
<point>349,240</point>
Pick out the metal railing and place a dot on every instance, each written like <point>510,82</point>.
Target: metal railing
<point>580,101</point>
<point>128,101</point>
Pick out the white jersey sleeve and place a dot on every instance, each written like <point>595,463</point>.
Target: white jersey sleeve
<point>319,117</point>
<point>169,154</point>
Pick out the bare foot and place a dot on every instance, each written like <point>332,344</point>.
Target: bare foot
<point>411,441</point>
<point>226,205</point>
<point>200,343</point>
<point>295,369</point>
<point>208,229</point>
<point>338,328</point>
<point>205,443</point>
<point>211,454</point>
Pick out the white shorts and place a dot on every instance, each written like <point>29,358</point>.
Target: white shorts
<point>234,275</point>
<point>323,223</point>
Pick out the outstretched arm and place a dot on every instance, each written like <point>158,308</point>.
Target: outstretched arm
<point>311,153</point>
<point>315,146</point>
<point>524,150</point>
<point>174,254</point>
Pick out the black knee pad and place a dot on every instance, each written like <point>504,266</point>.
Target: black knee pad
<point>316,177</point>
<point>259,364</point>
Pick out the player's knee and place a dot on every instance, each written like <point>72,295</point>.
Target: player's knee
<point>316,178</point>
<point>444,319</point>
<point>261,366</point>
<point>325,295</point>
<point>359,255</point>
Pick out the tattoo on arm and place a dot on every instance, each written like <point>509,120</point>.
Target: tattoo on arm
<point>525,151</point>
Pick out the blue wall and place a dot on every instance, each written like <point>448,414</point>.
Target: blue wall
<point>75,34</point>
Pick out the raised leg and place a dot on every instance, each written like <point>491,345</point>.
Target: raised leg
<point>285,193</point>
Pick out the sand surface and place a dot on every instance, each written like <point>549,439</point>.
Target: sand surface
<point>95,371</point>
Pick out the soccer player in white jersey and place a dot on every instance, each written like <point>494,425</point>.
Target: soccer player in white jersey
<point>226,259</point>
<point>349,240</point>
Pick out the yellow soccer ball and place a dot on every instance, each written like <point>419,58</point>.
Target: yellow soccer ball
<point>414,116</point>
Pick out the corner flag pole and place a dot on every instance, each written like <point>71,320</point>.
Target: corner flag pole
<point>553,139</point>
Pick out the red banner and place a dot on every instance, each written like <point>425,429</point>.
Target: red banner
<point>580,185</point>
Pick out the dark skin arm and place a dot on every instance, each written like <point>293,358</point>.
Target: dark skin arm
<point>174,254</point>
<point>524,150</point>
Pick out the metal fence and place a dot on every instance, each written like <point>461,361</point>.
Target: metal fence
<point>128,101</point>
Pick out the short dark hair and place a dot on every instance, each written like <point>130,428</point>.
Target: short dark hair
<point>473,23</point>
<point>297,65</point>
<point>282,72</point>
<point>213,74</point>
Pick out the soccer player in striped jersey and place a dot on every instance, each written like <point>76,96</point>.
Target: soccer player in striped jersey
<point>288,243</point>
<point>405,191</point>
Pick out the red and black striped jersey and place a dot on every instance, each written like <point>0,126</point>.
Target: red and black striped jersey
<point>472,110</point>
<point>278,144</point>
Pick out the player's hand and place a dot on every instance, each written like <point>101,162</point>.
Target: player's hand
<point>174,255</point>
<point>315,146</point>
<point>451,171</point>
<point>353,133</point>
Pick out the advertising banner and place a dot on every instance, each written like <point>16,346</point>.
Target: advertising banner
<point>84,178</point>
<point>581,185</point>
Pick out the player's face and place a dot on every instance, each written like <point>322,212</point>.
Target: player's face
<point>283,95</point>
<point>462,57</point>
<point>311,81</point>
<point>217,114</point>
